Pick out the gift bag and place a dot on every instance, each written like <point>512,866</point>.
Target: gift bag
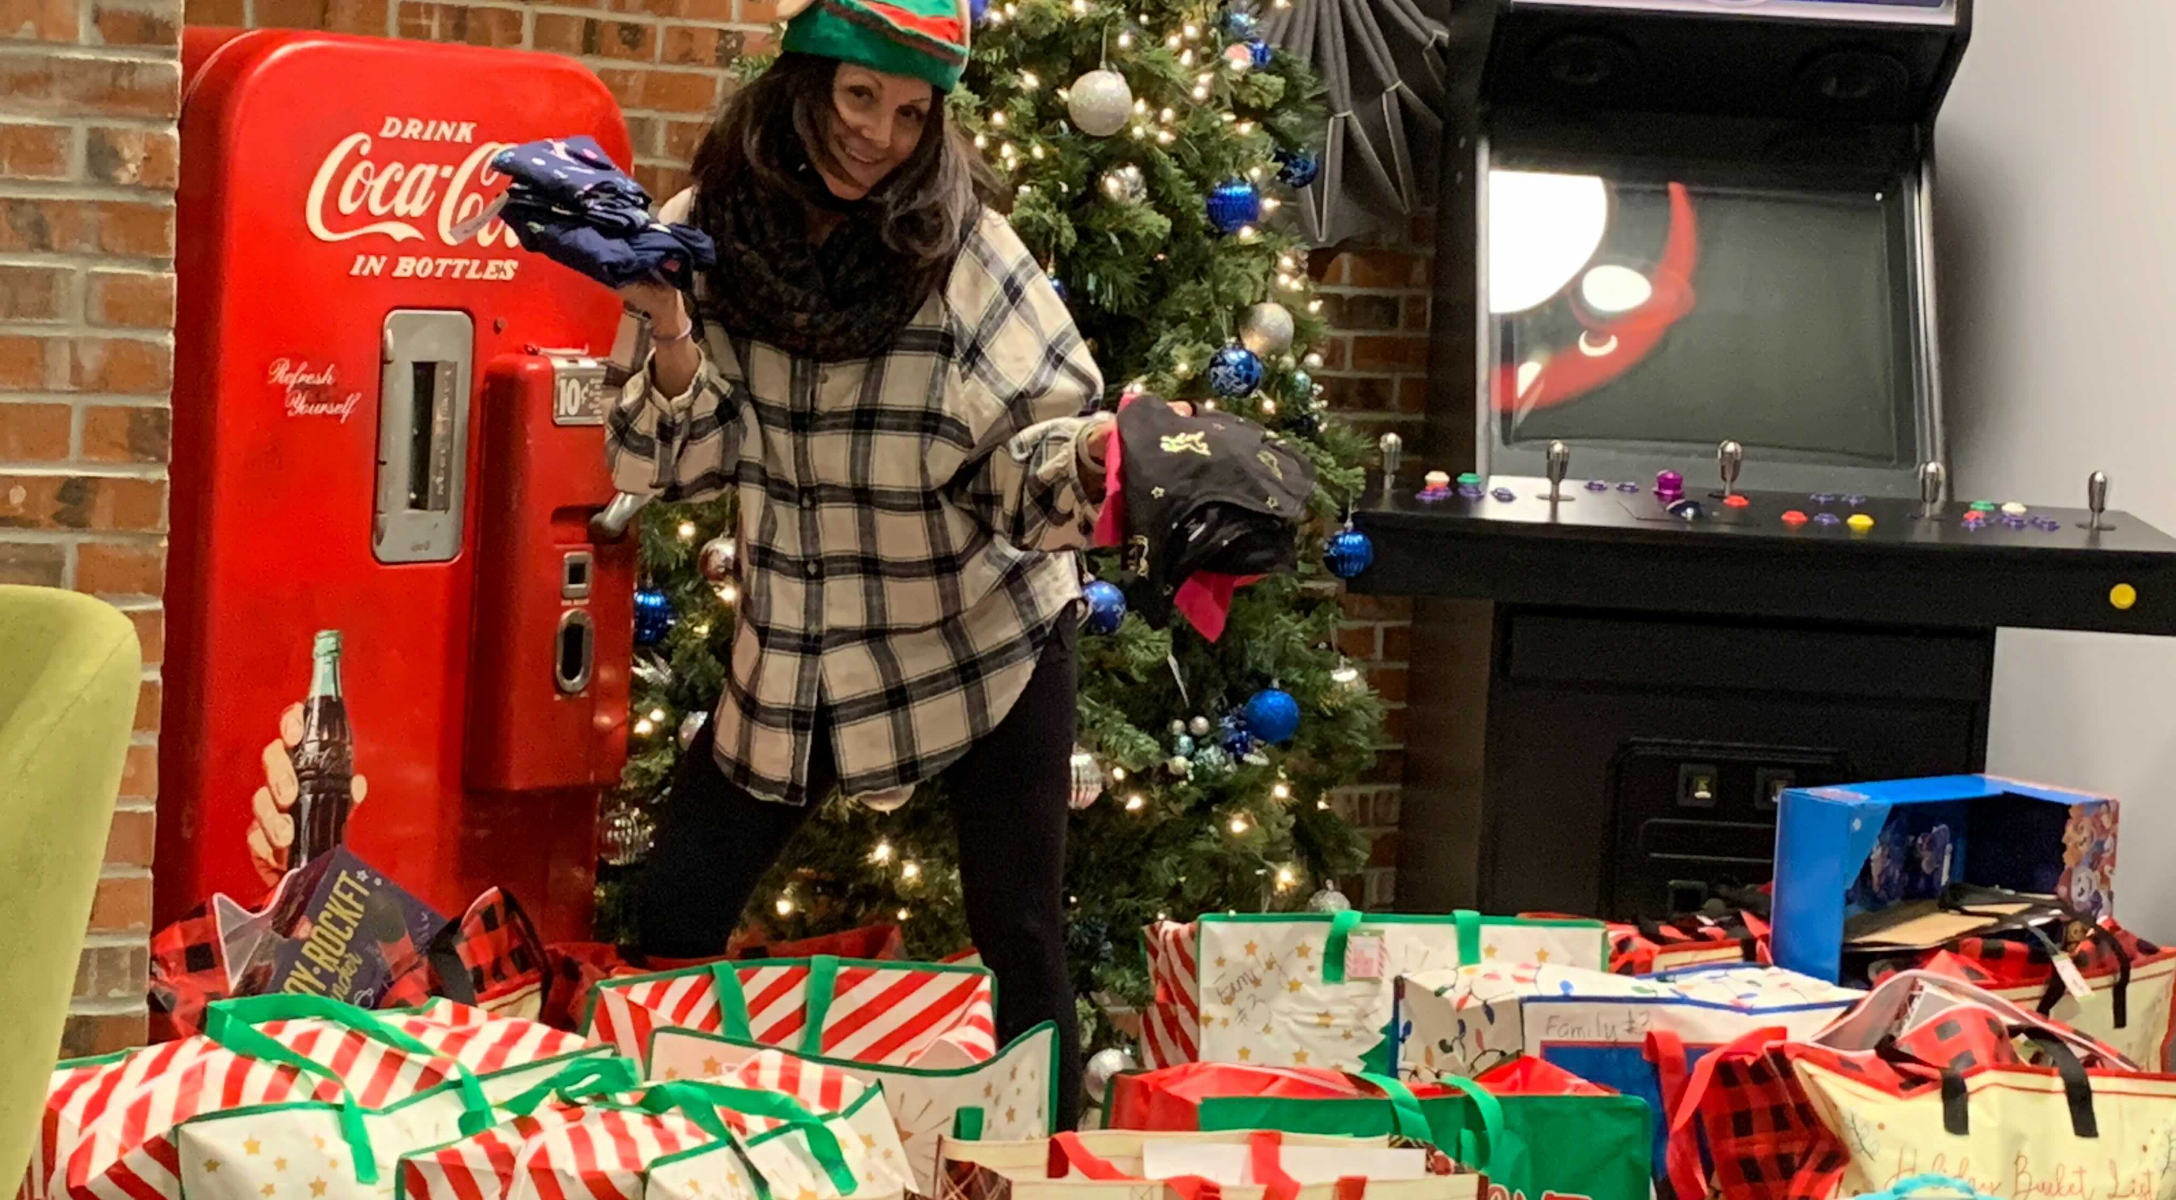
<point>1645,947</point>
<point>1012,1095</point>
<point>1316,990</point>
<point>774,1128</point>
<point>491,958</point>
<point>1242,1165</point>
<point>892,1014</point>
<point>280,1085</point>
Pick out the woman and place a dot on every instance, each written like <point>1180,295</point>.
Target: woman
<point>893,389</point>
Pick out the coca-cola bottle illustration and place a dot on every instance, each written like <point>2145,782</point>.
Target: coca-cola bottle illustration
<point>324,759</point>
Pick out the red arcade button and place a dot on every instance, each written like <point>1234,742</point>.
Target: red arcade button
<point>1794,518</point>
<point>1735,500</point>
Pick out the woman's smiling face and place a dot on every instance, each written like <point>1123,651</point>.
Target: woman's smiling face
<point>878,120</point>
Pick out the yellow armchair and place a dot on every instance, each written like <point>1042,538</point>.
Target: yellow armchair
<point>69,673</point>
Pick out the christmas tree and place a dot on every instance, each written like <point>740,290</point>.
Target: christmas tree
<point>1147,145</point>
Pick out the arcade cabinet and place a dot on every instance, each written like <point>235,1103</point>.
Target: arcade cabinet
<point>1689,540</point>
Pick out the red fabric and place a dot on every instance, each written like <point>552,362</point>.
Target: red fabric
<point>1742,1110</point>
<point>1205,599</point>
<point>1526,1076</point>
<point>1168,1100</point>
<point>576,968</point>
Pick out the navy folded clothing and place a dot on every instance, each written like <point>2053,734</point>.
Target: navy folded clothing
<point>575,174</point>
<point>673,253</point>
<point>569,203</point>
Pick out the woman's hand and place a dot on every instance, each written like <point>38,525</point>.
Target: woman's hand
<point>674,358</point>
<point>660,303</point>
<point>1095,440</point>
<point>271,819</point>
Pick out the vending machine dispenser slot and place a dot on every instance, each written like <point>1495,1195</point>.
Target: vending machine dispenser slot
<point>576,660</point>
<point>422,435</point>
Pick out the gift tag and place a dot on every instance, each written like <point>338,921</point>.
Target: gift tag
<point>2073,978</point>
<point>1366,957</point>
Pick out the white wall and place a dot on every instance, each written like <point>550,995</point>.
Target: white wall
<point>2057,222</point>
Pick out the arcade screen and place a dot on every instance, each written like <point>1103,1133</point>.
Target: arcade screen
<point>1647,311</point>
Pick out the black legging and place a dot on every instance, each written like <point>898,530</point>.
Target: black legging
<point>1008,795</point>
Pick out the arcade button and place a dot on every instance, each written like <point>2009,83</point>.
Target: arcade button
<point>1628,487</point>
<point>1468,479</point>
<point>2122,596</point>
<point>1823,497</point>
<point>1687,510</point>
<point>1983,506</point>
<point>2015,509</point>
<point>1854,501</point>
<point>1975,517</point>
<point>2046,524</point>
<point>1435,486</point>
<point>1505,494</point>
<point>1794,518</point>
<point>2015,522</point>
<point>1827,519</point>
<point>1472,493</point>
<point>1860,522</point>
<point>1735,500</point>
<point>1597,485</point>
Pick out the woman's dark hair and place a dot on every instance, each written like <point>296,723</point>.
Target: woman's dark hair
<point>775,131</point>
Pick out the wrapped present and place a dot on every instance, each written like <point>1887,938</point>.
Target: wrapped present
<point>773,1127</point>
<point>1595,1024</point>
<point>1533,1129</point>
<point>879,1013</point>
<point>574,969</point>
<point>1645,947</point>
<point>1242,1165</point>
<point>1855,851</point>
<point>1316,989</point>
<point>320,1093</point>
<point>1011,1095</point>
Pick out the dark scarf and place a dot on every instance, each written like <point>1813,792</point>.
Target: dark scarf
<point>845,298</point>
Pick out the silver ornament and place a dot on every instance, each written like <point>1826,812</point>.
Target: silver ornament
<point>1104,1066</point>
<point>888,800</point>
<point>1087,778</point>
<point>690,725</point>
<point>1328,900</point>
<point>624,834</point>
<point>1266,329</point>
<point>1125,184</point>
<point>1100,102</point>
<point>1180,766</point>
<point>715,559</point>
<point>1178,727</point>
<point>1199,727</point>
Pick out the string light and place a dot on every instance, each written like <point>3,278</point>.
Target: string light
<point>1186,58</point>
<point>1172,41</point>
<point>657,715</point>
<point>1281,790</point>
<point>1313,361</point>
<point>1140,107</point>
<point>1165,137</point>
<point>1030,81</point>
<point>1200,93</point>
<point>702,629</point>
<point>727,593</point>
<point>1285,879</point>
<point>1136,802</point>
<point>1271,204</point>
<point>687,531</point>
<point>1239,823</point>
<point>1065,95</point>
<point>997,120</point>
<point>644,727</point>
<point>1125,40</point>
<point>1118,774</point>
<point>1230,117</point>
<point>1287,262</point>
<point>1205,77</point>
<point>1036,152</point>
<point>1256,174</point>
<point>903,914</point>
<point>1139,132</point>
<point>1324,805</point>
<point>784,905</point>
<point>1166,115</point>
<point>982,142</point>
<point>908,870</point>
<point>1269,407</point>
<point>1191,31</point>
<point>1247,233</point>
<point>1314,306</point>
<point>1246,128</point>
<point>882,854</point>
<point>1080,8</point>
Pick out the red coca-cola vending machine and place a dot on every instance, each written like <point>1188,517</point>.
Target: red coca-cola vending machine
<point>387,619</point>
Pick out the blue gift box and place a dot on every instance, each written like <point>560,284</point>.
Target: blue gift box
<point>1859,848</point>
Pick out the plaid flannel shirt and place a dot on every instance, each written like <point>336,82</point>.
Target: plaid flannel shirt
<point>905,524</point>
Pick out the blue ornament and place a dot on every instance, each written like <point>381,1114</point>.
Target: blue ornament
<point>1214,760</point>
<point>1106,606</point>
<point>1261,51</point>
<point>1058,285</point>
<point>1298,167</point>
<point>1234,203</point>
<point>653,615</point>
<point>1234,371</point>
<point>975,9</point>
<point>1232,732</point>
<point>1349,553</point>
<point>1241,24</point>
<point>1306,423</point>
<point>1183,744</point>
<point>1273,715</point>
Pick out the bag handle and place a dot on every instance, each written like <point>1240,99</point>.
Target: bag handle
<point>1477,1150</point>
<point>233,1024</point>
<point>2077,1085</point>
<point>589,1078</point>
<point>732,1000</point>
<point>1333,954</point>
<point>455,982</point>
<point>1468,924</point>
<point>823,980</point>
<point>1688,1178</point>
<point>1406,1115</point>
<point>699,1102</point>
<point>1956,1099</point>
<point>1265,1155</point>
<point>2057,989</point>
<point>1068,1154</point>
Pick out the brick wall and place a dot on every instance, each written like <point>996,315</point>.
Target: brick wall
<point>87,169</point>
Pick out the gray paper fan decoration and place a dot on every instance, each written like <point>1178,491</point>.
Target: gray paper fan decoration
<point>1384,74</point>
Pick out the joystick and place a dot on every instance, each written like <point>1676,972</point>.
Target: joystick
<point>1393,448</point>
<point>1729,456</point>
<point>2096,503</point>
<point>1559,465</point>
<point>1933,478</point>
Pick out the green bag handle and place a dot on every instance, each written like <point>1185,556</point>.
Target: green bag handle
<point>1468,924</point>
<point>823,979</point>
<point>587,1079</point>
<point>1405,1111</point>
<point>1475,1151</point>
<point>967,1123</point>
<point>732,999</point>
<point>699,1102</point>
<point>1333,955</point>
<point>233,1024</point>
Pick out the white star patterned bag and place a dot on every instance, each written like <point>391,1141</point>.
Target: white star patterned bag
<point>1316,989</point>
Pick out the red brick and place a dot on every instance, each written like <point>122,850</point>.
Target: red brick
<point>1377,608</point>
<point>1389,683</point>
<point>132,157</point>
<point>136,230</point>
<point>759,12</point>
<point>128,365</point>
<point>1361,310</point>
<point>128,433</point>
<point>122,906</point>
<point>559,33</point>
<point>40,20</point>
<point>475,25</point>
<point>34,151</point>
<point>1415,315</point>
<point>713,10</point>
<point>87,1035</point>
<point>661,181</point>
<point>129,842</point>
<point>138,299</point>
<point>86,502</point>
<point>1397,642</point>
<point>113,972</point>
<point>33,293</point>
<point>148,698</point>
<point>1413,394</point>
<point>1332,350</point>
<point>1375,268</point>
<point>1325,265</point>
<point>1357,641</point>
<point>107,87</point>
<point>1384,853</point>
<point>215,12</point>
<point>339,16</point>
<point>702,46</point>
<point>1388,768</point>
<point>1394,727</point>
<point>23,362</point>
<point>33,564</point>
<point>150,629</point>
<point>655,8</point>
<point>1359,393</point>
<point>1389,353</point>
<point>33,432</point>
<point>40,225</point>
<point>662,91</point>
<point>644,133</point>
<point>682,137</point>
<point>120,569</point>
<point>138,24</point>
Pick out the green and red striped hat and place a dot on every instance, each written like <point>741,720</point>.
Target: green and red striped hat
<point>925,39</point>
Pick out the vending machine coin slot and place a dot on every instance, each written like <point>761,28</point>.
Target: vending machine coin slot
<point>573,665</point>
<point>574,574</point>
<point>423,418</point>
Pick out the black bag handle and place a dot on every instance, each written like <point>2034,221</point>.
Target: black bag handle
<point>1956,1107</point>
<point>2077,1085</point>
<point>452,974</point>
<point>1962,897</point>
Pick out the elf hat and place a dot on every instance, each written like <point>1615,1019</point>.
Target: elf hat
<point>924,39</point>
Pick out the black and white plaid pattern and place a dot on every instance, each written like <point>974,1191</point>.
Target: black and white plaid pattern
<point>905,521</point>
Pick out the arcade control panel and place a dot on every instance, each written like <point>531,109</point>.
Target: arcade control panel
<point>1669,546</point>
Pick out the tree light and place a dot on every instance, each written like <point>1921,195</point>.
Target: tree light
<point>1245,128</point>
<point>1030,81</point>
<point>1192,32</point>
<point>1271,204</point>
<point>908,870</point>
<point>1186,58</point>
<point>1166,115</point>
<point>1166,137</point>
<point>644,727</point>
<point>658,715</point>
<point>882,854</point>
<point>1139,132</point>
<point>1136,802</point>
<point>1205,78</point>
<point>1172,41</point>
<point>1269,407</point>
<point>1256,174</point>
<point>1036,152</point>
<point>1324,805</point>
<point>1118,774</point>
<point>1247,233</point>
<point>702,629</point>
<point>1239,823</point>
<point>1281,790</point>
<point>784,906</point>
<point>1313,361</point>
<point>1140,107</point>
<point>687,531</point>
<point>1200,93</point>
<point>997,120</point>
<point>1314,306</point>
<point>902,914</point>
<point>1125,40</point>
<point>1285,879</point>
<point>982,142</point>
